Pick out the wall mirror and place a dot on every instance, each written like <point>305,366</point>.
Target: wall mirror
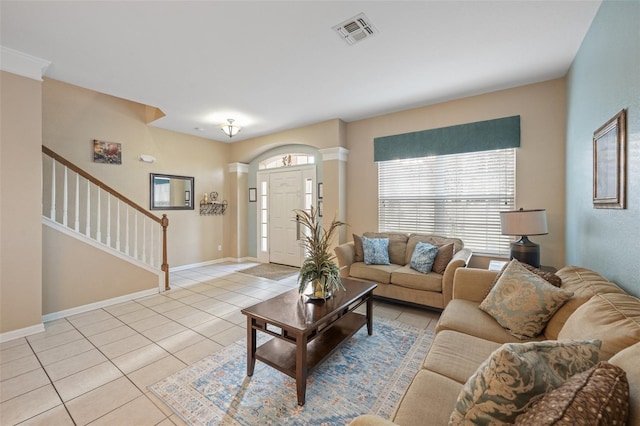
<point>171,192</point>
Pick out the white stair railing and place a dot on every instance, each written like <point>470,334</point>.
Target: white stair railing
<point>91,206</point>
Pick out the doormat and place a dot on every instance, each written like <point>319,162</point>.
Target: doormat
<point>366,374</point>
<point>271,271</point>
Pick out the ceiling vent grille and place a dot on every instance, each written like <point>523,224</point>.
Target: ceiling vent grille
<point>355,29</point>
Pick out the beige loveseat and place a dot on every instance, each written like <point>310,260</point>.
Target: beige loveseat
<point>398,280</point>
<point>466,336</point>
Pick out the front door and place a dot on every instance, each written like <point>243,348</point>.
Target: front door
<point>285,190</point>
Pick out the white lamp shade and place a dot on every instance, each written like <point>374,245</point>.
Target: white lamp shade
<point>524,222</point>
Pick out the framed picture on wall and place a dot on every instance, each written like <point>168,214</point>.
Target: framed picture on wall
<point>609,163</point>
<point>107,152</point>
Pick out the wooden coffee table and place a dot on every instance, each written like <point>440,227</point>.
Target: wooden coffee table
<point>306,331</point>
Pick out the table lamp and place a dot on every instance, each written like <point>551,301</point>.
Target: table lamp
<point>523,223</point>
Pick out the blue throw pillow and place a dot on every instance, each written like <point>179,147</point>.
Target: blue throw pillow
<point>423,256</point>
<point>376,251</point>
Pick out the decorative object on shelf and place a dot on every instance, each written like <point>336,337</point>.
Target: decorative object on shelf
<point>523,223</point>
<point>318,271</point>
<point>253,195</point>
<point>320,190</point>
<point>209,205</point>
<point>610,163</point>
<point>286,160</point>
<point>107,152</point>
<point>229,129</point>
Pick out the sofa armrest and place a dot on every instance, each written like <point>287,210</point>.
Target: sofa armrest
<point>370,420</point>
<point>472,284</point>
<point>345,253</point>
<point>459,260</point>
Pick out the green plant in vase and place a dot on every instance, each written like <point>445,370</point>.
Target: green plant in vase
<point>318,267</point>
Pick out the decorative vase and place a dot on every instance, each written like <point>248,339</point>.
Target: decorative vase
<point>320,291</point>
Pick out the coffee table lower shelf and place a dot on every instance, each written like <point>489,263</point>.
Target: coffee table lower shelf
<point>281,354</point>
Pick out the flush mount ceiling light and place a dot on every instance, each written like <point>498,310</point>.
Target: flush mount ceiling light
<point>229,129</point>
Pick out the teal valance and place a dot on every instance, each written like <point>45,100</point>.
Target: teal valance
<point>479,136</point>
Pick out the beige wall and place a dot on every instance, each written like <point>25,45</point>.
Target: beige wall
<point>20,229</point>
<point>540,159</point>
<point>73,117</point>
<point>76,274</point>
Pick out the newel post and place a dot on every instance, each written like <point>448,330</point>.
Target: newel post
<point>165,266</point>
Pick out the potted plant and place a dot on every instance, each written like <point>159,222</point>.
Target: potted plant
<point>318,267</point>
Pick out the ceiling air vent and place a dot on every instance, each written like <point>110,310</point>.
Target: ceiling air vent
<point>355,29</point>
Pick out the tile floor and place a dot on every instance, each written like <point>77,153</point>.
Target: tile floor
<point>94,368</point>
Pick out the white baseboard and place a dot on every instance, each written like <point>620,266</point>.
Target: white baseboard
<point>98,305</point>
<point>22,332</point>
<point>213,262</point>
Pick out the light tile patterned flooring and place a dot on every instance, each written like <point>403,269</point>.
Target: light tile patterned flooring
<point>94,368</point>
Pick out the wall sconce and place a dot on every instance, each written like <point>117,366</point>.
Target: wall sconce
<point>524,223</point>
<point>229,129</point>
<point>145,158</point>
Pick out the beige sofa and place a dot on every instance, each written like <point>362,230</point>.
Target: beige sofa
<point>466,336</point>
<point>398,280</point>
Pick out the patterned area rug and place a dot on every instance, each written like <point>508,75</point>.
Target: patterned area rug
<point>366,374</point>
<point>271,271</point>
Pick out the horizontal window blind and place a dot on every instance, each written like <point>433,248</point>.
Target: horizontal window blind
<point>458,195</point>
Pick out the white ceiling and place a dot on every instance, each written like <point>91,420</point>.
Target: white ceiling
<point>278,65</point>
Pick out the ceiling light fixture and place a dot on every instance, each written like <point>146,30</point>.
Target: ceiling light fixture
<point>229,129</point>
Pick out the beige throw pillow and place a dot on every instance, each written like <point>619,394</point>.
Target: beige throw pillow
<point>445,254</point>
<point>522,302</point>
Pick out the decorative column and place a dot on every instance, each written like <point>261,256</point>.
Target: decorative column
<point>235,224</point>
<point>334,171</point>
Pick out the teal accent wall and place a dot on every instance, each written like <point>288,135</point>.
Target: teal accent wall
<point>471,137</point>
<point>603,79</point>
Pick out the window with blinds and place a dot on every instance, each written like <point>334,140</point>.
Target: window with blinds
<point>458,195</point>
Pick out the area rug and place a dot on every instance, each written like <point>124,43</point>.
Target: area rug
<point>366,374</point>
<point>271,271</point>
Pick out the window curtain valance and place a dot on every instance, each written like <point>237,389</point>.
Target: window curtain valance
<point>479,136</point>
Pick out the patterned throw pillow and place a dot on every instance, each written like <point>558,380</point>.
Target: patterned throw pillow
<point>516,375</point>
<point>549,277</point>
<point>376,251</point>
<point>599,396</point>
<point>522,302</point>
<point>445,254</point>
<point>423,256</point>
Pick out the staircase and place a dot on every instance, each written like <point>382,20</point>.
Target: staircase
<point>80,205</point>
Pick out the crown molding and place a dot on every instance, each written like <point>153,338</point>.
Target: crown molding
<point>338,153</point>
<point>22,64</point>
<point>238,168</point>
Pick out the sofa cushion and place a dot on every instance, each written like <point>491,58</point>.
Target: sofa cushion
<point>376,273</point>
<point>518,374</point>
<point>397,245</point>
<point>358,251</point>
<point>410,278</point>
<point>435,240</point>
<point>423,256</point>
<point>584,283</point>
<point>430,396</point>
<point>456,355</point>
<point>522,302</point>
<point>598,396</point>
<point>464,316</point>
<point>613,318</point>
<point>627,359</point>
<point>549,277</point>
<point>445,254</point>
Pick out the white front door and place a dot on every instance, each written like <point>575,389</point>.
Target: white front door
<point>286,195</point>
